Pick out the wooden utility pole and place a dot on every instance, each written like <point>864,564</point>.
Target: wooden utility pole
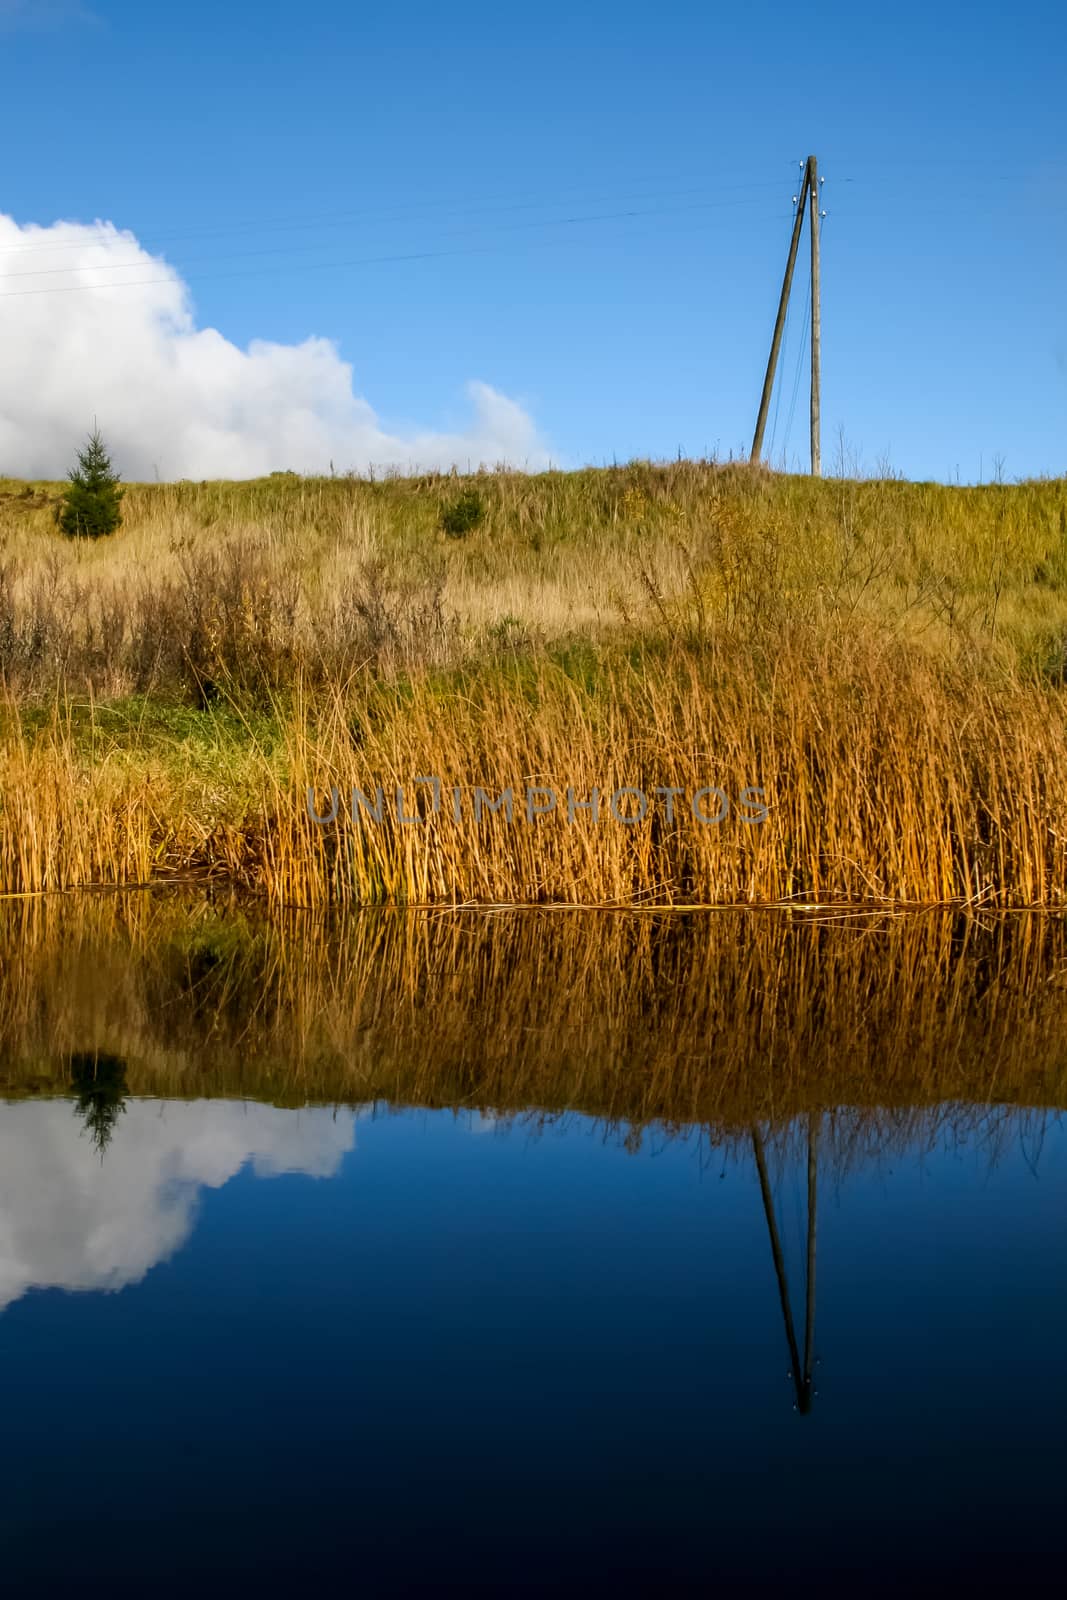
<point>783,306</point>
<point>816,318</point>
<point>809,196</point>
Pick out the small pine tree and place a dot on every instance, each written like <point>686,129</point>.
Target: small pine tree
<point>91,505</point>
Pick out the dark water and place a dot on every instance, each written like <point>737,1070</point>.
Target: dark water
<point>247,1349</point>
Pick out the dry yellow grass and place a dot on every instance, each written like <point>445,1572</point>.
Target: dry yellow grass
<point>884,660</point>
<point>324,569</point>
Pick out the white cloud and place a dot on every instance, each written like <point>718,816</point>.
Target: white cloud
<point>184,402</point>
<point>71,1221</point>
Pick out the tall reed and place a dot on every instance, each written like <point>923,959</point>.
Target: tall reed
<point>885,779</point>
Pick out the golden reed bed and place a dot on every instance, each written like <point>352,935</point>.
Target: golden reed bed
<point>886,781</point>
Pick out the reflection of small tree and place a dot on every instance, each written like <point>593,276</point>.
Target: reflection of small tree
<point>99,1084</point>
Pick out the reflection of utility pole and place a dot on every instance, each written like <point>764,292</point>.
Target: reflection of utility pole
<point>801,1373</point>
<point>809,1276</point>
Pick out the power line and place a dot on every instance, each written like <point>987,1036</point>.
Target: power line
<point>343,218</point>
<point>174,275</point>
<point>152,230</point>
<point>508,227</point>
<point>799,368</point>
<point>332,217</point>
<point>778,386</point>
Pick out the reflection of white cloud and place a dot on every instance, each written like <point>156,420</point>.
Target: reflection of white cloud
<point>71,1221</point>
<point>484,1122</point>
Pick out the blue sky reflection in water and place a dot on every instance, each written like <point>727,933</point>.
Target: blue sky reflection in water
<point>251,1346</point>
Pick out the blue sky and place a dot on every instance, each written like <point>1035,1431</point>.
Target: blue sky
<point>268,151</point>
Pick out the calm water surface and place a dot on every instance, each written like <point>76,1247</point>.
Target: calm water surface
<point>245,1348</point>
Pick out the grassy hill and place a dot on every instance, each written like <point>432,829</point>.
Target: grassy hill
<point>884,660</point>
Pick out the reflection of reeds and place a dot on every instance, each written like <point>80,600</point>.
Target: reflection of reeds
<point>720,1020</point>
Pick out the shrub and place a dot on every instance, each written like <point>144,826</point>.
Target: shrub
<point>462,514</point>
<point>90,507</point>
